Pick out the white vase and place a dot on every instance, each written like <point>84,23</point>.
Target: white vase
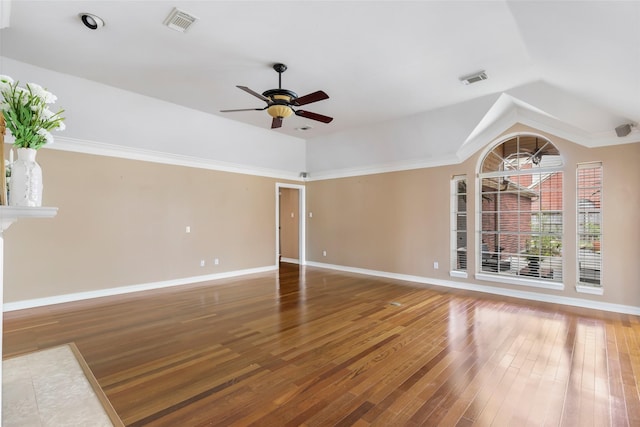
<point>25,187</point>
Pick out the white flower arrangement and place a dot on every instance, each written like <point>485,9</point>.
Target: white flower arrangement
<point>27,114</point>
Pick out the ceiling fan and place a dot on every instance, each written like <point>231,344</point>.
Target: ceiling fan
<point>280,102</point>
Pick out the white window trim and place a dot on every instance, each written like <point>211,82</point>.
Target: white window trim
<point>521,281</point>
<point>583,287</point>
<point>458,273</point>
<point>453,232</point>
<point>593,290</point>
<point>499,278</point>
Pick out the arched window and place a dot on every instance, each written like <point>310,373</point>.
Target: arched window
<point>521,211</point>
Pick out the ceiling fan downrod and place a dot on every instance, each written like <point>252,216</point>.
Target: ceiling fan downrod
<point>280,68</point>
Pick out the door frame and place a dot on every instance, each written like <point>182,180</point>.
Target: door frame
<point>302,235</point>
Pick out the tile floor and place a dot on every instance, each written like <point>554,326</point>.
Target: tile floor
<point>49,388</point>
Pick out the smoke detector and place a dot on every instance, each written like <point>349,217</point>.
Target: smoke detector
<point>179,20</point>
<point>474,78</point>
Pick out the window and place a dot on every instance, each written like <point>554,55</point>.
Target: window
<point>459,226</point>
<point>589,219</point>
<point>521,222</point>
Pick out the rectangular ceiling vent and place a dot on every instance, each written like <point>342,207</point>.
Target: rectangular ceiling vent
<point>179,20</point>
<point>474,78</point>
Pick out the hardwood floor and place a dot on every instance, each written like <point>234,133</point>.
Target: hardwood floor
<point>317,347</point>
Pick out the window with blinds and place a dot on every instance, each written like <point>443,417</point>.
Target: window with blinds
<point>459,225</point>
<point>589,221</point>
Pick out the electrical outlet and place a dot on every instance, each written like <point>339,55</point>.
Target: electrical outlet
<point>435,265</point>
<point>324,253</point>
<point>202,263</point>
<point>216,261</point>
<point>188,229</point>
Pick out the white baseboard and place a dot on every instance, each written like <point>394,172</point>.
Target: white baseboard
<point>534,296</point>
<point>515,293</point>
<point>290,260</point>
<point>59,299</point>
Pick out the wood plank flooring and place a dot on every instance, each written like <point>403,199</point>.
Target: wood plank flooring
<point>314,347</point>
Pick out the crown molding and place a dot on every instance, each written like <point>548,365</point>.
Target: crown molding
<point>130,153</point>
<point>382,168</point>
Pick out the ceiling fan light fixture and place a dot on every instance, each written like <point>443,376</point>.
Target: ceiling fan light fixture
<point>280,106</point>
<point>278,110</point>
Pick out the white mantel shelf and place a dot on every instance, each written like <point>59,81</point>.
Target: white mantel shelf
<point>10,214</point>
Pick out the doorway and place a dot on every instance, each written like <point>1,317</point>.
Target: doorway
<point>290,223</point>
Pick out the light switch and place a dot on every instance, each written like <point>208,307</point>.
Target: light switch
<point>188,229</point>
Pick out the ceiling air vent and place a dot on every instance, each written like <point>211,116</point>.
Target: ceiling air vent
<point>179,20</point>
<point>474,78</point>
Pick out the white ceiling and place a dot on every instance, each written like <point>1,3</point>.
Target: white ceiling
<point>377,60</point>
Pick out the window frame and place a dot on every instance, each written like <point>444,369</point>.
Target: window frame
<point>503,171</point>
<point>583,286</point>
<point>454,270</point>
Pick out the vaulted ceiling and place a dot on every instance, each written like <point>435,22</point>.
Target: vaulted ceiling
<point>574,63</point>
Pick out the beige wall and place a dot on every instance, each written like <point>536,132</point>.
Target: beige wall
<point>289,222</point>
<point>395,222</point>
<point>122,222</point>
<point>399,222</point>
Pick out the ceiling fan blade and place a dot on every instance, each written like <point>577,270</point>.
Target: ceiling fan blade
<point>254,93</point>
<point>243,109</point>
<point>312,97</point>
<point>276,122</point>
<point>314,116</point>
